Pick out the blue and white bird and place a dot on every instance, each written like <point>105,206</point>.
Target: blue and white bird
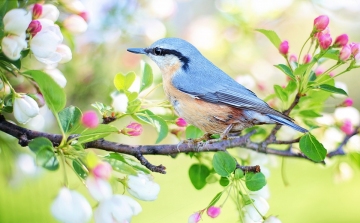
<point>204,95</point>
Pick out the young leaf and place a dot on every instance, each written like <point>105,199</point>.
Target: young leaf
<point>272,36</point>
<point>300,70</point>
<point>39,143</point>
<point>46,158</point>
<point>198,174</point>
<point>215,199</point>
<point>255,181</point>
<point>147,77</point>
<point>160,125</point>
<point>124,82</point>
<point>53,94</point>
<point>99,132</point>
<point>224,181</point>
<point>119,164</point>
<point>193,132</point>
<point>70,118</point>
<point>312,148</point>
<point>286,70</point>
<point>77,165</point>
<point>332,54</point>
<point>280,93</point>
<point>133,106</point>
<point>310,114</point>
<point>291,87</point>
<point>332,89</point>
<point>224,164</point>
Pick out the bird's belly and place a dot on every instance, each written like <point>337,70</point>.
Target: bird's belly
<point>210,117</point>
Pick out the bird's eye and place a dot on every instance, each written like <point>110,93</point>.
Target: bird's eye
<point>157,51</point>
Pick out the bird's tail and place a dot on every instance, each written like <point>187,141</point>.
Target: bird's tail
<point>287,122</point>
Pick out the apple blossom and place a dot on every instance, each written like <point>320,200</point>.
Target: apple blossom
<point>12,46</point>
<point>284,48</point>
<point>25,108</point>
<point>307,59</point>
<point>16,21</point>
<point>71,207</point>
<point>75,24</point>
<point>34,27</point>
<point>325,41</point>
<point>213,211</point>
<point>347,127</point>
<point>37,10</point>
<point>343,113</point>
<point>143,187</point>
<point>133,129</point>
<point>76,6</point>
<point>320,23</point>
<point>99,189</point>
<point>102,170</point>
<point>181,122</point>
<point>57,76</point>
<point>355,48</point>
<point>65,51</point>
<point>117,209</point>
<point>345,53</point>
<point>262,207</point>
<point>341,40</point>
<point>120,102</point>
<point>272,219</point>
<point>194,218</point>
<point>45,43</point>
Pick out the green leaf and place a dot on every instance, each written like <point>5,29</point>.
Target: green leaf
<point>193,132</point>
<point>291,87</point>
<point>280,93</point>
<point>54,95</point>
<point>133,106</point>
<point>310,114</point>
<point>125,159</point>
<point>332,89</point>
<point>224,164</point>
<point>239,174</point>
<point>215,199</point>
<point>300,70</point>
<point>77,165</point>
<point>46,158</point>
<point>286,70</point>
<point>70,118</point>
<point>224,181</point>
<point>160,125</point>
<point>312,148</point>
<point>255,181</point>
<point>99,132</point>
<point>198,174</point>
<point>39,143</point>
<point>119,164</point>
<point>332,54</point>
<point>272,36</point>
<point>124,82</point>
<point>147,78</point>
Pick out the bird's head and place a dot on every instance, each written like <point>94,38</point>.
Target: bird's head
<point>169,52</point>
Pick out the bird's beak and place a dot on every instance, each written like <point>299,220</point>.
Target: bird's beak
<point>137,50</point>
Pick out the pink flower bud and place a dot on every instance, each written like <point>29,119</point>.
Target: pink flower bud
<point>194,218</point>
<point>34,27</point>
<point>84,15</point>
<point>37,11</point>
<point>348,102</point>
<point>307,59</point>
<point>90,119</point>
<point>319,70</point>
<point>213,211</point>
<point>324,41</point>
<point>284,48</point>
<point>102,170</point>
<point>345,53</point>
<point>181,122</point>
<point>293,58</point>
<point>347,127</point>
<point>133,129</point>
<point>355,48</point>
<point>321,22</point>
<point>341,40</point>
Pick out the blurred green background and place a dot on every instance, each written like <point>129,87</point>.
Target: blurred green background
<point>223,31</point>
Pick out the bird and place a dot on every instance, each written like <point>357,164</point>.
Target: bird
<point>204,95</point>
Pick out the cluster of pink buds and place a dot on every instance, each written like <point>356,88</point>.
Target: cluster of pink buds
<point>212,212</point>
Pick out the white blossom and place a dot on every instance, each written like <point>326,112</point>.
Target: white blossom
<point>57,75</point>
<point>350,113</point>
<point>75,24</point>
<point>12,45</point>
<point>65,51</point>
<point>71,207</point>
<point>25,108</point>
<point>262,207</point>
<point>98,188</point>
<point>117,209</point>
<point>49,12</point>
<point>16,21</point>
<point>143,187</point>
<point>120,102</point>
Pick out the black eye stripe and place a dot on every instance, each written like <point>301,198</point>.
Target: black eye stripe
<point>157,51</point>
